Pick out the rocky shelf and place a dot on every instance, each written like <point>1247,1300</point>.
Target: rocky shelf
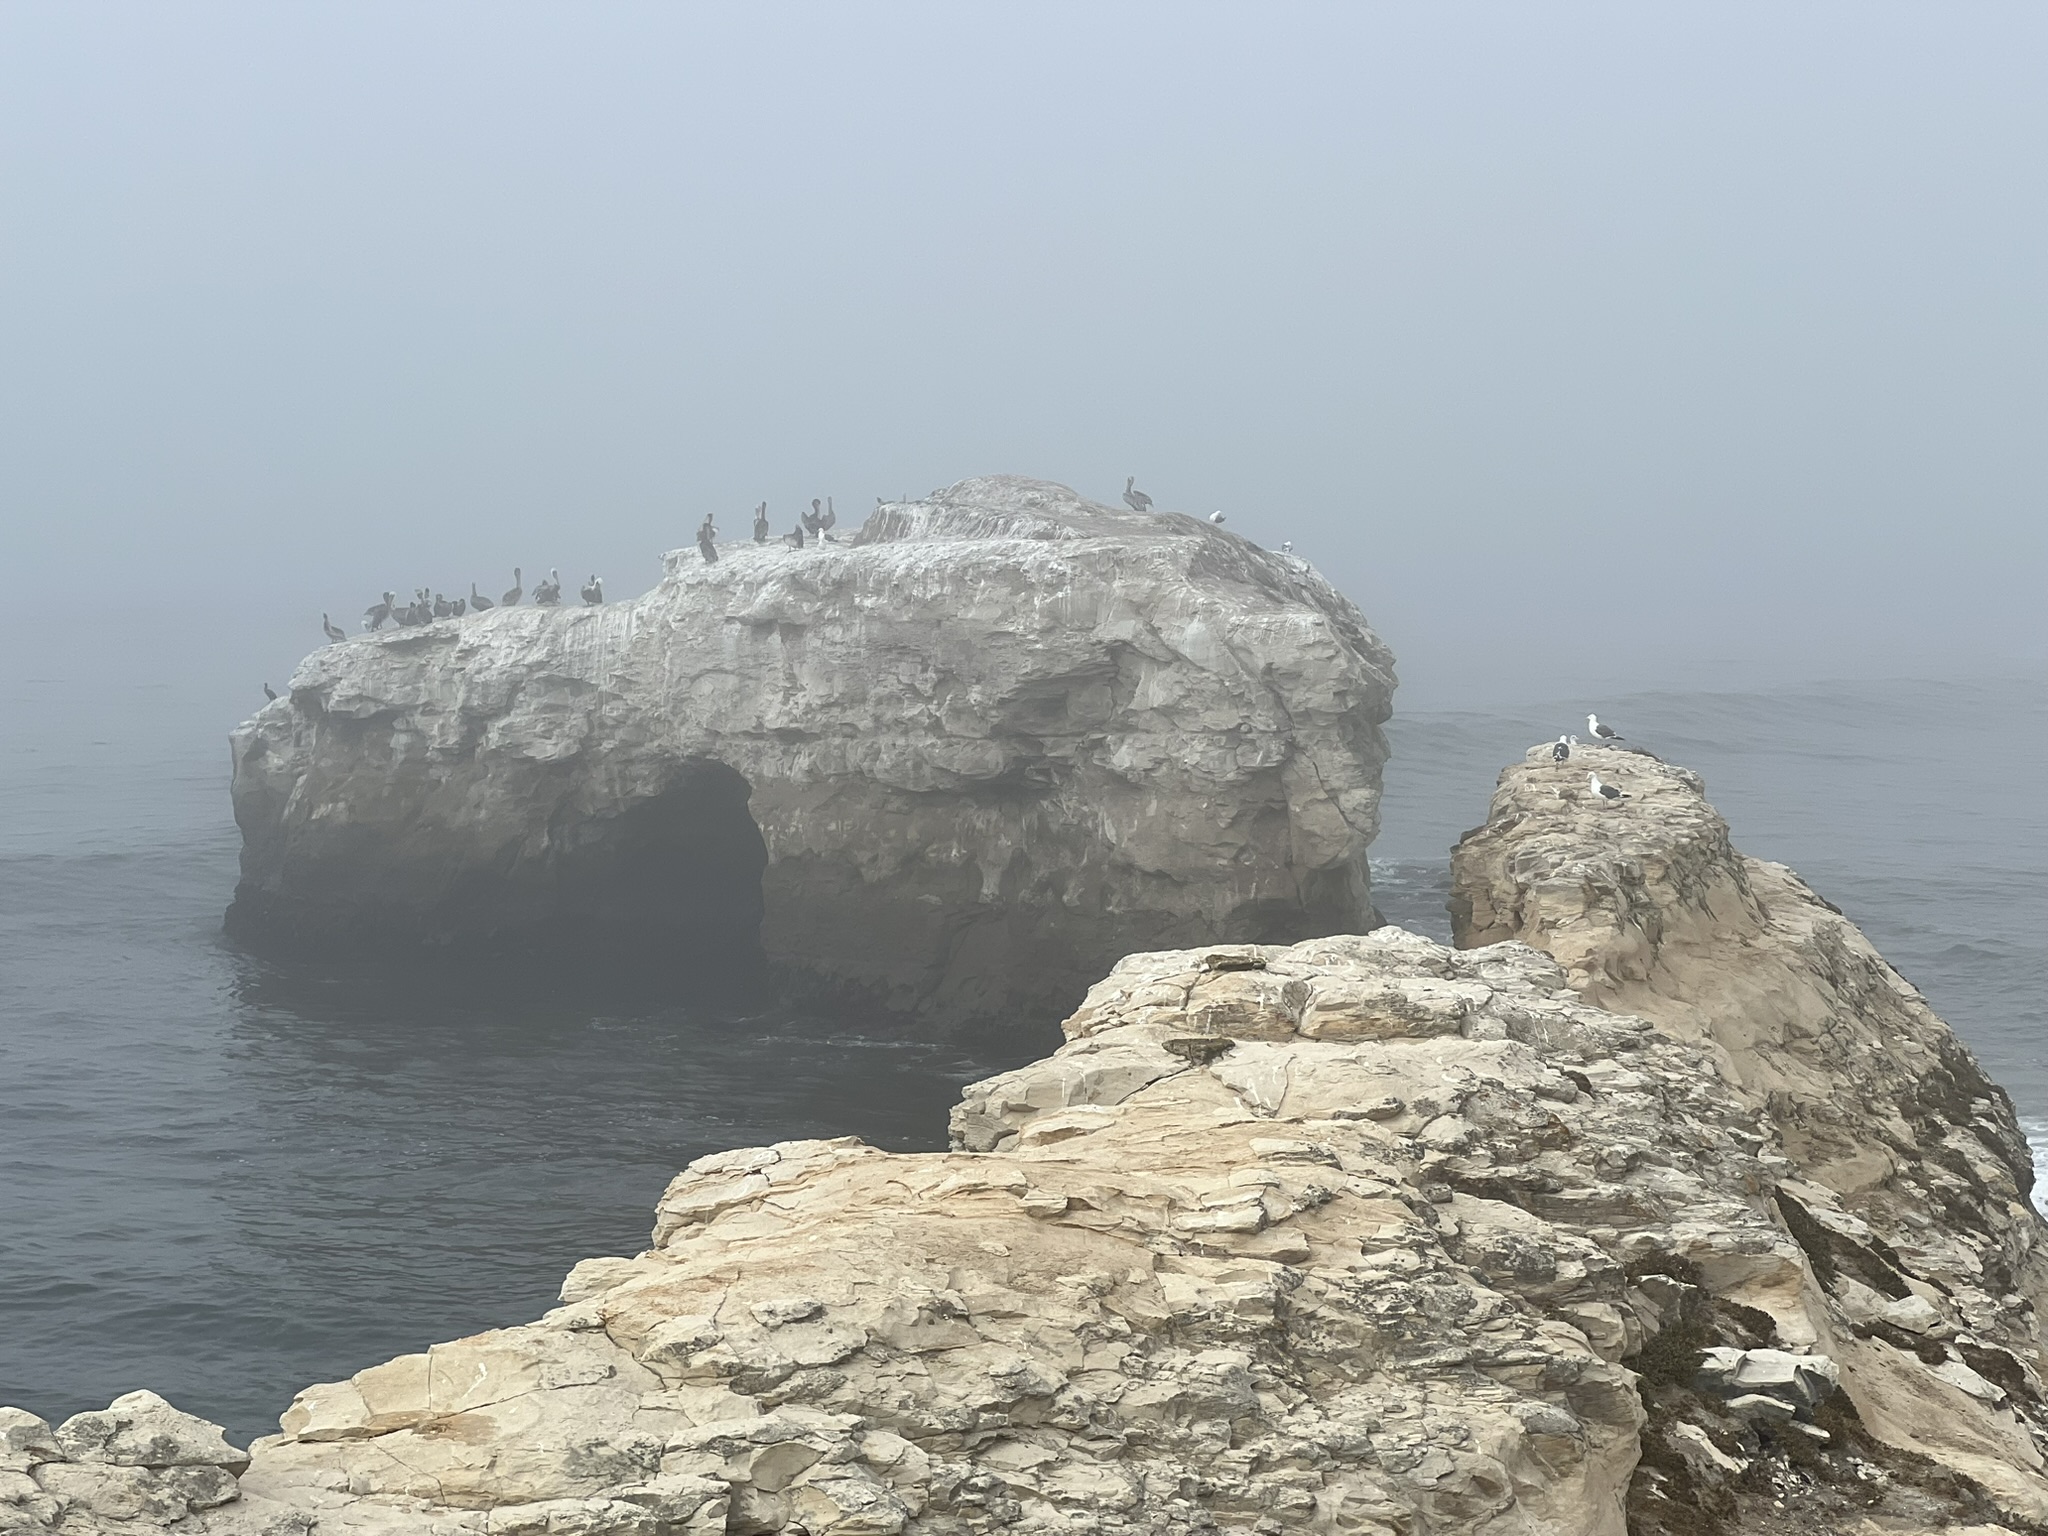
<point>961,762</point>
<point>1661,1205</point>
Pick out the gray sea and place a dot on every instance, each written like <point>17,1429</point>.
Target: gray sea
<point>223,1179</point>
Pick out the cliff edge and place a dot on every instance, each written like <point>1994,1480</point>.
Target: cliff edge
<point>1362,1234</point>
<point>966,759</point>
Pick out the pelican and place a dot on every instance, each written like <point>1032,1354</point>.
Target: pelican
<point>593,591</point>
<point>511,599</point>
<point>375,615</point>
<point>457,607</point>
<point>1134,498</point>
<point>761,523</point>
<point>334,633</point>
<point>442,607</point>
<point>478,603</point>
<point>548,594</point>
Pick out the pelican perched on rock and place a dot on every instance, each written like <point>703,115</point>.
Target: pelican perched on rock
<point>333,631</point>
<point>1134,498</point>
<point>548,594</point>
<point>761,523</point>
<point>375,615</point>
<point>593,591</point>
<point>511,599</point>
<point>442,607</point>
<point>478,603</point>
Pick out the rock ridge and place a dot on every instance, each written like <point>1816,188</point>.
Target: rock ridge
<point>1359,1234</point>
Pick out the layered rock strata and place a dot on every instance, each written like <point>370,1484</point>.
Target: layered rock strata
<point>1897,1166</point>
<point>966,759</point>
<point>1360,1234</point>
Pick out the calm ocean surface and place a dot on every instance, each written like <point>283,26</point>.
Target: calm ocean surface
<point>222,1180</point>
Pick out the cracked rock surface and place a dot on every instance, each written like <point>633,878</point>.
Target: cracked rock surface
<point>993,742</point>
<point>1360,1234</point>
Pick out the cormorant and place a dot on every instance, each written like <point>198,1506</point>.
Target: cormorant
<point>478,603</point>
<point>707,540</point>
<point>814,521</point>
<point>511,599</point>
<point>442,607</point>
<point>270,693</point>
<point>593,591</point>
<point>333,633</point>
<point>1134,498</point>
<point>761,523</point>
<point>831,516</point>
<point>795,537</point>
<point>457,607</point>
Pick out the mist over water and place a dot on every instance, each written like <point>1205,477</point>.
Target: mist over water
<point>224,1179</point>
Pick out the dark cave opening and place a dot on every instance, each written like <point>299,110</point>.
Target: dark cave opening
<point>671,883</point>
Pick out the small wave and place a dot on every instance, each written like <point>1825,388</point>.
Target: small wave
<point>2037,1143</point>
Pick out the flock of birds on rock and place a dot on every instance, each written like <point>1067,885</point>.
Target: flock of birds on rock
<point>1561,752</point>
<point>427,606</point>
<point>812,527</point>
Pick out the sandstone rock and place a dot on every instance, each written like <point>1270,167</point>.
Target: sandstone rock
<point>1898,1167</point>
<point>967,759</point>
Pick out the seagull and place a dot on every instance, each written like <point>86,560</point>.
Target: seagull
<point>593,591</point>
<point>1216,518</point>
<point>511,599</point>
<point>1134,498</point>
<point>270,693</point>
<point>1605,791</point>
<point>1287,546</point>
<point>1561,751</point>
<point>478,603</point>
<point>1601,732</point>
<point>334,633</point>
<point>375,615</point>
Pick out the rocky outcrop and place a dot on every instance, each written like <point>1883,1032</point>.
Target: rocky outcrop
<point>1896,1165</point>
<point>138,1464</point>
<point>1360,1234</point>
<point>967,759</point>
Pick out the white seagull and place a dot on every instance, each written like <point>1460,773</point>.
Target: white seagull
<point>1561,751</point>
<point>1287,546</point>
<point>1601,732</point>
<point>1216,517</point>
<point>1604,791</point>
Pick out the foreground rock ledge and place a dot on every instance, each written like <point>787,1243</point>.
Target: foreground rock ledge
<point>1361,1234</point>
<point>1002,737</point>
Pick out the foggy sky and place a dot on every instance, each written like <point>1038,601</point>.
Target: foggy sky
<point>1585,346</point>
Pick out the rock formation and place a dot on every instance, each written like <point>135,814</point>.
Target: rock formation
<point>967,759</point>
<point>1895,1164</point>
<point>1361,1234</point>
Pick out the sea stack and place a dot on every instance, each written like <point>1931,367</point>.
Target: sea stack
<point>964,763</point>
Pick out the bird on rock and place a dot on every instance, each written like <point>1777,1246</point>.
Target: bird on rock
<point>1216,518</point>
<point>1606,792</point>
<point>761,523</point>
<point>511,599</point>
<point>795,537</point>
<point>1601,732</point>
<point>548,594</point>
<point>457,607</point>
<point>593,591</point>
<point>707,540</point>
<point>375,615</point>
<point>442,607</point>
<point>270,693</point>
<point>333,631</point>
<point>1561,751</point>
<point>478,603</point>
<point>1134,498</point>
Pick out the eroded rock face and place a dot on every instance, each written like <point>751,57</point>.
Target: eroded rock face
<point>1895,1163</point>
<point>967,759</point>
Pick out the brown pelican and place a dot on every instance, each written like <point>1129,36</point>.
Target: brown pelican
<point>593,591</point>
<point>761,523</point>
<point>334,633</point>
<point>442,607</point>
<point>1134,498</point>
<point>707,540</point>
<point>375,615</point>
<point>478,603</point>
<point>548,594</point>
<point>511,599</point>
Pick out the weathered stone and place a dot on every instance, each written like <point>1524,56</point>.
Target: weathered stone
<point>142,1430</point>
<point>967,758</point>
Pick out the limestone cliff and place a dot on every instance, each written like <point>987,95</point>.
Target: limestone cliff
<point>968,758</point>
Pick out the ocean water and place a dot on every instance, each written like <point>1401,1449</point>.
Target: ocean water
<point>222,1179</point>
